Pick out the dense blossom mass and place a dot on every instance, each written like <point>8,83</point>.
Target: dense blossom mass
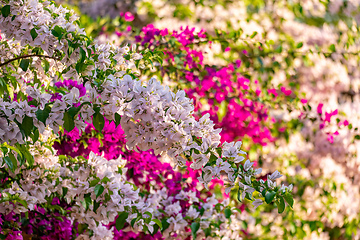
<point>81,138</point>
<point>298,61</point>
<point>172,119</point>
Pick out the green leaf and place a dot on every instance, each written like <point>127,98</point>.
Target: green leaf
<point>132,223</point>
<point>68,122</point>
<point>88,200</point>
<point>120,221</point>
<point>263,193</point>
<point>73,111</point>
<point>81,228</point>
<point>98,121</point>
<point>194,228</point>
<point>10,163</point>
<point>35,135</point>
<point>94,182</point>
<point>248,196</point>
<point>5,11</point>
<point>58,32</point>
<point>58,208</point>
<point>80,67</point>
<point>281,205</point>
<point>99,189</point>
<point>105,180</point>
<point>254,34</point>
<point>156,229</point>
<point>289,199</point>
<point>332,48</point>
<point>269,197</point>
<point>202,210</point>
<point>13,159</point>
<point>299,45</point>
<point>165,224</point>
<point>207,232</point>
<point>157,221</point>
<point>145,229</point>
<point>239,196</point>
<point>24,64</point>
<point>82,55</point>
<point>29,158</point>
<point>278,49</point>
<point>18,149</point>
<point>46,65</point>
<point>117,119</point>
<point>4,149</point>
<point>227,212</point>
<point>147,220</point>
<point>70,49</point>
<point>33,33</point>
<point>42,115</point>
<point>147,213</point>
<point>96,206</point>
<point>64,190</point>
<point>27,125</point>
<point>218,207</point>
<point>21,159</point>
<point>23,202</point>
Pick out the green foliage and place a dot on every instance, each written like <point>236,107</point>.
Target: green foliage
<point>98,121</point>
<point>33,33</point>
<point>269,196</point>
<point>120,221</point>
<point>5,10</point>
<point>99,189</point>
<point>24,64</point>
<point>69,123</point>
<point>194,228</point>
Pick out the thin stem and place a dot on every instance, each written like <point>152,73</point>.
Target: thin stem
<point>26,56</point>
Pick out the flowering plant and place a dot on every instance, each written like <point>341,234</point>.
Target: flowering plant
<point>302,55</point>
<point>41,47</point>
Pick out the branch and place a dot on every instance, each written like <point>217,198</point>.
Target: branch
<point>26,56</point>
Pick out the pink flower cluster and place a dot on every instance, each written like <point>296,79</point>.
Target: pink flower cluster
<point>325,120</point>
<point>46,225</point>
<point>243,115</point>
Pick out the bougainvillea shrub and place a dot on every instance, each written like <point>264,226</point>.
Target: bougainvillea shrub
<point>296,63</point>
<point>88,146</point>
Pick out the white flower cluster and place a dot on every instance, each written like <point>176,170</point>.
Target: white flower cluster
<point>155,118</point>
<point>204,213</point>
<point>97,181</point>
<point>40,24</point>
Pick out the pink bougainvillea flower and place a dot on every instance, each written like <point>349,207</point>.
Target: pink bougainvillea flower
<point>273,91</point>
<point>330,138</point>
<point>128,17</point>
<point>303,101</point>
<point>329,115</point>
<point>319,108</point>
<point>285,91</point>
